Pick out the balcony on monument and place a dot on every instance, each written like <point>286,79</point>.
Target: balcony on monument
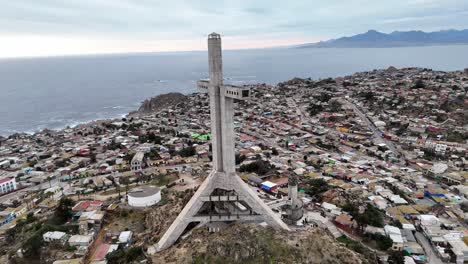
<point>203,85</point>
<point>236,92</point>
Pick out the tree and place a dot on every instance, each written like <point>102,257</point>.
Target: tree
<point>419,84</point>
<point>120,256</point>
<point>351,208</point>
<point>260,167</point>
<point>11,233</point>
<point>63,211</point>
<point>116,257</point>
<point>126,182</point>
<point>113,145</point>
<point>49,178</point>
<point>32,246</point>
<point>274,152</point>
<point>129,156</point>
<point>371,216</point>
<point>188,151</point>
<point>239,158</point>
<point>397,223</point>
<point>464,206</point>
<point>153,154</point>
<point>369,95</point>
<point>315,109</point>
<point>383,242</point>
<point>324,97</point>
<point>133,254</point>
<point>315,187</point>
<point>92,157</point>
<point>335,106</point>
<point>396,257</point>
<point>153,138</point>
<point>30,218</point>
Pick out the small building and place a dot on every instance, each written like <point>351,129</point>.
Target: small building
<point>144,196</point>
<point>7,185</point>
<point>137,161</point>
<point>55,237</point>
<point>269,186</point>
<point>459,250</point>
<point>5,219</point>
<point>80,240</point>
<point>87,206</point>
<point>331,208</point>
<point>395,234</point>
<point>125,238</point>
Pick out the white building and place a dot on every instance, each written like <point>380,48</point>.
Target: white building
<point>80,240</point>
<point>395,234</point>
<point>440,149</point>
<point>137,161</point>
<point>459,249</point>
<point>125,237</point>
<point>55,236</point>
<point>438,168</point>
<point>144,196</point>
<point>7,185</point>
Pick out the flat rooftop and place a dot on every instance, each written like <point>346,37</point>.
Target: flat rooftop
<point>143,191</point>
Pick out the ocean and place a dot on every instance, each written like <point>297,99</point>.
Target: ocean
<point>56,92</point>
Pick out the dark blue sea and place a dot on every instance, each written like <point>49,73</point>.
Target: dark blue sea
<point>56,92</point>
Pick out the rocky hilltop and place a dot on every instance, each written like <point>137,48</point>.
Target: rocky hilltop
<point>158,103</point>
<point>238,243</point>
<point>258,244</point>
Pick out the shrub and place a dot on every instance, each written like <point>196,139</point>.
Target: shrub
<point>260,167</point>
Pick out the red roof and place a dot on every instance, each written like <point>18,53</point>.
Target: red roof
<point>84,205</point>
<point>281,181</point>
<point>5,180</point>
<point>101,252</point>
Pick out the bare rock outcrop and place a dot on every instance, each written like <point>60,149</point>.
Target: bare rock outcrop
<point>158,103</point>
<point>258,244</point>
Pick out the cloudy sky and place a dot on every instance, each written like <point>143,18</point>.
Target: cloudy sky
<point>58,27</point>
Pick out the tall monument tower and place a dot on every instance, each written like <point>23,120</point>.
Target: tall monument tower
<point>223,196</point>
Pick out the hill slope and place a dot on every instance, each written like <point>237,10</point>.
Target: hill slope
<point>257,244</point>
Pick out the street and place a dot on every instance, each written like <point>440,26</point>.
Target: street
<point>431,256</point>
<point>375,131</point>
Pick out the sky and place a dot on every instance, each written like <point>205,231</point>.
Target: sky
<point>70,27</point>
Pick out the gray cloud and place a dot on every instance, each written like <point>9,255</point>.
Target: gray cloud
<point>192,19</point>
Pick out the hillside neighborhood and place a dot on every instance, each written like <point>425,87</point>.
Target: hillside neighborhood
<point>380,159</point>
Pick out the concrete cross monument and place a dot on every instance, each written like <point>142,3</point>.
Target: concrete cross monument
<point>223,196</point>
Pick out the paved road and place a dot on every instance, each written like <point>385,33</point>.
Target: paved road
<point>56,181</point>
<point>40,186</point>
<point>377,133</point>
<point>431,255</point>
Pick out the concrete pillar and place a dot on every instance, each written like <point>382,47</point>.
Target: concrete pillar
<point>292,190</point>
<point>229,163</point>
<point>216,81</point>
<point>215,59</point>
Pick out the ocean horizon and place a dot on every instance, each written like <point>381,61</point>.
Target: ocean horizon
<point>61,91</point>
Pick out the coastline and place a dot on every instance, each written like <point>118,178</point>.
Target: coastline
<point>118,116</point>
<point>72,124</point>
<point>139,111</point>
<point>56,99</point>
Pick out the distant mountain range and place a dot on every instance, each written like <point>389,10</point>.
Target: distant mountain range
<point>375,39</point>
